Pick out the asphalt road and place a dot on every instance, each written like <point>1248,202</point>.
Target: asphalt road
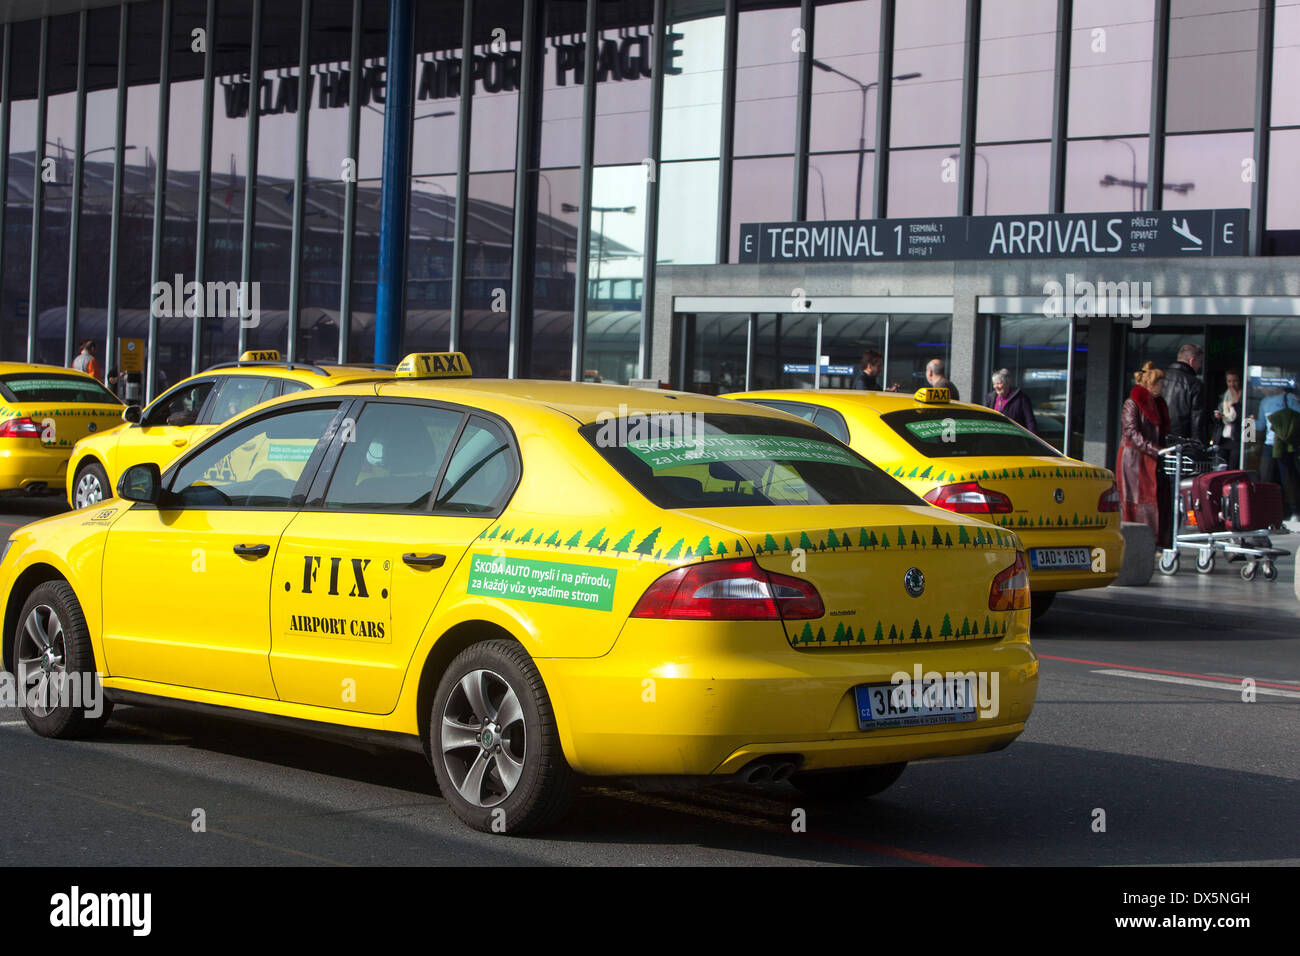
<point>1139,717</point>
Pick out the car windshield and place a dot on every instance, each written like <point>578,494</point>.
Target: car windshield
<point>964,433</point>
<point>684,460</point>
<point>72,389</point>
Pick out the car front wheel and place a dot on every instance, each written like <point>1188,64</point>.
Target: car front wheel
<point>494,743</point>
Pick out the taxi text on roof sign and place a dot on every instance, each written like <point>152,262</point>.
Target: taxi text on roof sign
<point>933,396</point>
<point>260,355</point>
<point>434,365</point>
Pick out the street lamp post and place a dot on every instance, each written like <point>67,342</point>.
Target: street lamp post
<point>600,254</point>
<point>865,88</point>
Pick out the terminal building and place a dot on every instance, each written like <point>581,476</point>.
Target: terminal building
<point>709,194</point>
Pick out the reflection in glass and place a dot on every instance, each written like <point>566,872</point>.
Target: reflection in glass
<point>688,193</point>
<point>760,192</point>
<point>846,38</point>
<point>1014,178</point>
<point>785,350</point>
<point>913,341</point>
<point>836,188</point>
<point>716,348</point>
<point>844,339</point>
<point>615,273</point>
<point>623,95</point>
<point>767,80</point>
<point>1286,64</point>
<point>1211,65</point>
<point>1110,68</point>
<point>1283,187</point>
<point>1017,66</point>
<point>693,80</point>
<point>1102,175</point>
<point>59,158</point>
<point>929,39</point>
<point>922,183</point>
<point>1204,172</point>
<point>1035,351</point>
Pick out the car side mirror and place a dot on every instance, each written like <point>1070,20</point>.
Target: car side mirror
<point>141,483</point>
<point>131,414</point>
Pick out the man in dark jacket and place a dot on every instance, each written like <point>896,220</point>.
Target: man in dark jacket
<point>1185,395</point>
<point>868,376</point>
<point>1011,401</point>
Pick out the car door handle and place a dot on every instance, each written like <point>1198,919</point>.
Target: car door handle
<point>180,442</point>
<point>252,550</point>
<point>424,560</point>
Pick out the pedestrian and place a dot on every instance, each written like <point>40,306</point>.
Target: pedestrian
<point>114,383</point>
<point>1185,394</point>
<point>868,376</point>
<point>1280,411</point>
<point>85,360</point>
<point>1011,401</point>
<point>1227,416</point>
<point>1143,492</point>
<point>934,374</point>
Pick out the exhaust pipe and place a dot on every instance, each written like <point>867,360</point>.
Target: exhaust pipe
<point>782,771</point>
<point>760,771</point>
<point>773,768</point>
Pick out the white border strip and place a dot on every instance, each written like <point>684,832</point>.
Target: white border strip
<point>817,304</point>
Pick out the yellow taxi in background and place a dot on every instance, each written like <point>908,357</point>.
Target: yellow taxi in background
<point>44,410</point>
<point>190,410</point>
<point>972,460</point>
<point>530,581</point>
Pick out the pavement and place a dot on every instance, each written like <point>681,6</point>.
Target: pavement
<point>1220,598</point>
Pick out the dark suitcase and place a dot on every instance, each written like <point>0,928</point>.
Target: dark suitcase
<point>1205,498</point>
<point>1252,505</point>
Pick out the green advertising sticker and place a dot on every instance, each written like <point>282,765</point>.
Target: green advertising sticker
<point>289,451</point>
<point>544,582</point>
<point>931,428</point>
<point>662,453</point>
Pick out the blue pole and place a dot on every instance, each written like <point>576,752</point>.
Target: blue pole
<point>394,198</point>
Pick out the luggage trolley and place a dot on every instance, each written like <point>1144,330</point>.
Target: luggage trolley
<point>1204,529</point>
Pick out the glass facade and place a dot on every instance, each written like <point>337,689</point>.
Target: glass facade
<point>252,158</point>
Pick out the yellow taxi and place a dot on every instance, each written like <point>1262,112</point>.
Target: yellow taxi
<point>972,460</point>
<point>44,410</point>
<point>532,582</point>
<point>190,410</point>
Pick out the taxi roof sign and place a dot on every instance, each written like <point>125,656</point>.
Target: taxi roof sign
<point>260,355</point>
<point>933,396</point>
<point>434,365</point>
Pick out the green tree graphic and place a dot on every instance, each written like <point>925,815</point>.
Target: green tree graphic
<point>594,541</point>
<point>832,541</point>
<point>963,538</point>
<point>495,531</point>
<point>945,629</point>
<point>788,546</point>
<point>821,635</point>
<point>738,548</point>
<point>917,541</point>
<point>806,635</point>
<point>508,535</point>
<point>805,542</point>
<point>935,538</point>
<point>916,630</point>
<point>864,539</point>
<point>913,472</point>
<point>839,633</point>
<point>769,543</point>
<point>722,548</point>
<point>624,543</point>
<point>929,635</point>
<point>986,624</point>
<point>648,542</point>
<point>880,633</point>
<point>902,541</point>
<point>573,541</point>
<point>675,551</point>
<point>862,636</point>
<point>926,473</point>
<point>947,541</point>
<point>965,627</point>
<point>528,536</point>
<point>893,633</point>
<point>705,547</point>
<point>884,540</point>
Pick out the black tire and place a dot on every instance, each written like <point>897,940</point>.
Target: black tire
<point>856,784</point>
<point>1040,602</point>
<point>1205,565</point>
<point>1169,562</point>
<point>1248,571</point>
<point>58,620</point>
<point>90,479</point>
<point>545,786</point>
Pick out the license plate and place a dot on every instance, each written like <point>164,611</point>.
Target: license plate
<point>948,700</point>
<point>1052,559</point>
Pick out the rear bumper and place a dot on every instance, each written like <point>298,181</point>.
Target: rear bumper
<point>24,462</point>
<point>1105,566</point>
<point>686,698</point>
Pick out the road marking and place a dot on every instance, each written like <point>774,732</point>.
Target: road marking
<point>1192,682</point>
<point>13,723</point>
<point>1236,681</point>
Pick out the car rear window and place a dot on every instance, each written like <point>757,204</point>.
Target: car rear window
<point>964,433</point>
<point>703,461</point>
<point>72,389</point>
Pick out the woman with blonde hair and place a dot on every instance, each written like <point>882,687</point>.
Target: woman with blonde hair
<point>1143,492</point>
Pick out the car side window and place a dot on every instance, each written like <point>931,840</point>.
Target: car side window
<point>482,471</point>
<point>832,422</point>
<point>239,393</point>
<point>180,407</point>
<point>392,460</point>
<point>287,387</point>
<point>257,464</point>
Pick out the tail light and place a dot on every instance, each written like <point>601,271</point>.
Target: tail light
<point>735,590</point>
<point>1010,591</point>
<point>968,498</point>
<point>20,428</point>
<point>1109,500</point>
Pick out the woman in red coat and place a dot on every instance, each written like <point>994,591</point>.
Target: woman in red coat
<point>1143,490</point>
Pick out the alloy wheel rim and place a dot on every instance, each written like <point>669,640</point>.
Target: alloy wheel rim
<point>42,660</point>
<point>483,738</point>
<point>89,490</point>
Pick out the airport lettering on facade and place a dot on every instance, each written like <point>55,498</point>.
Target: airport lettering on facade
<point>621,58</point>
<point>1173,234</point>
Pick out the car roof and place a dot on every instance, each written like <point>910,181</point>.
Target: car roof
<point>10,368</point>
<point>844,399</point>
<point>310,374</point>
<point>585,402</point>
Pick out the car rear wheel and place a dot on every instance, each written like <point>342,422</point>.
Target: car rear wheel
<point>60,693</point>
<point>856,784</point>
<point>494,742</point>
<point>90,486</point>
<point>1040,602</point>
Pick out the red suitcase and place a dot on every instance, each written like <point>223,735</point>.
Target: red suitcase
<point>1205,498</point>
<point>1252,506</point>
